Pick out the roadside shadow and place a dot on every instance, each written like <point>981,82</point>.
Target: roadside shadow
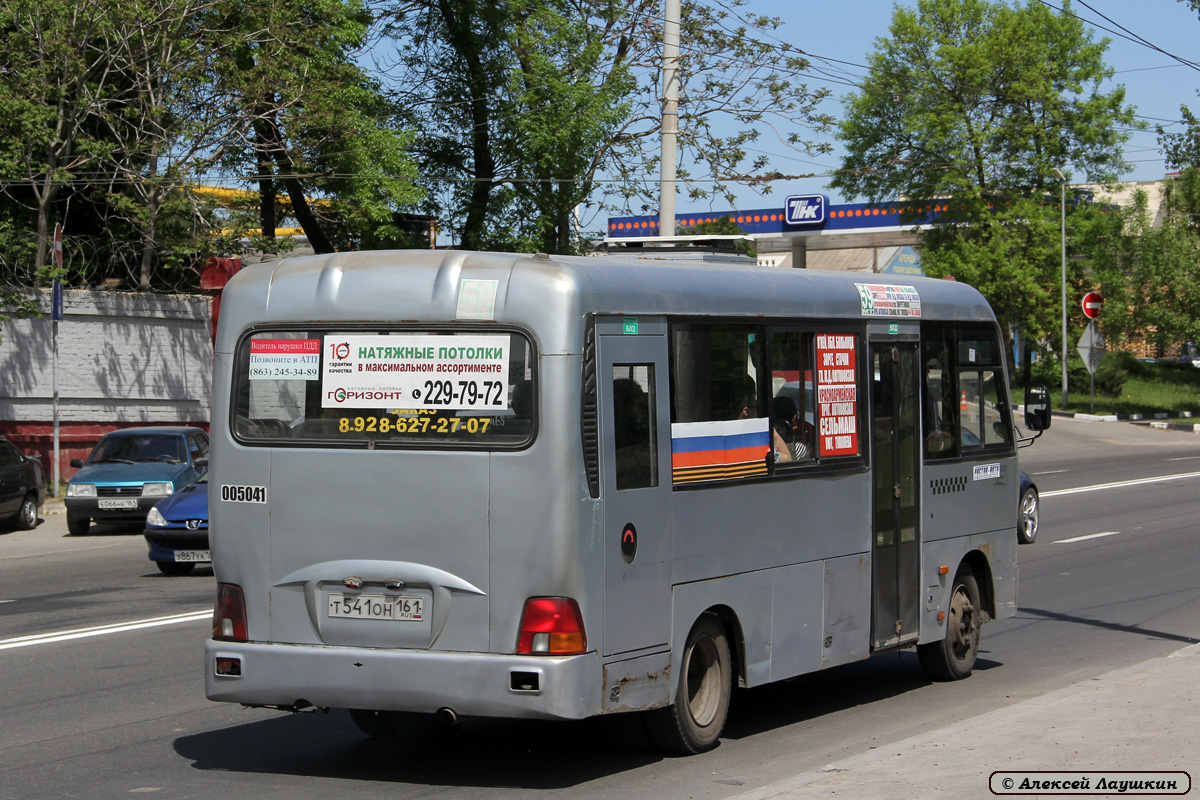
<point>479,753</point>
<point>526,754</point>
<point>1058,616</point>
<point>829,691</point>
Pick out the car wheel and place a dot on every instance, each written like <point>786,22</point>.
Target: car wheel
<point>1027,519</point>
<point>78,526</point>
<point>175,567</point>
<point>27,516</point>
<point>953,656</point>
<point>694,721</point>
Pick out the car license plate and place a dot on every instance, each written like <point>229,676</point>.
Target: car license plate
<point>409,608</point>
<point>193,555</point>
<point>117,503</point>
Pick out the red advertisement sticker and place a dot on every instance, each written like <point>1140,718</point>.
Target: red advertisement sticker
<point>837,394</point>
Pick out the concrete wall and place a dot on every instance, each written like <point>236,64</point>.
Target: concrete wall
<point>124,359</point>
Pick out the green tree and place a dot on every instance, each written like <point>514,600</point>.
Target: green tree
<point>1151,278</point>
<point>968,108</point>
<point>307,121</point>
<point>61,84</point>
<point>525,107</point>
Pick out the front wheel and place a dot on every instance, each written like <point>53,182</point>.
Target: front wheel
<point>694,721</point>
<point>1027,519</point>
<point>27,516</point>
<point>78,526</point>
<point>175,567</point>
<point>953,657</point>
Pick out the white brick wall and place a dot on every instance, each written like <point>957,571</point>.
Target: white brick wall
<point>123,357</point>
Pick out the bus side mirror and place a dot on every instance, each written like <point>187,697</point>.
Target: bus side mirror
<point>1037,408</point>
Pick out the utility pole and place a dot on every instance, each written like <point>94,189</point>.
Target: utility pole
<point>1063,206</point>
<point>670,119</point>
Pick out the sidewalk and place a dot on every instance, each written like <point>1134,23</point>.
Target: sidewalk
<point>1144,717</point>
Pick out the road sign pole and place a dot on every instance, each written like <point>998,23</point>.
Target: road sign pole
<point>1095,333</point>
<point>57,303</point>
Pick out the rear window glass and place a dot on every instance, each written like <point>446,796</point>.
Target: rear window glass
<point>359,388</point>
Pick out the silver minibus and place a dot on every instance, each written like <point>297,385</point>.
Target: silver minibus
<point>451,484</point>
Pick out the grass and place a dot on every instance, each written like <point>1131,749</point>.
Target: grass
<point>1170,388</point>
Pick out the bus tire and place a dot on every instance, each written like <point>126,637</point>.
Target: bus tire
<point>694,721</point>
<point>953,657</point>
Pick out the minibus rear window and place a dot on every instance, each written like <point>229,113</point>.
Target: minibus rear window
<point>390,388</point>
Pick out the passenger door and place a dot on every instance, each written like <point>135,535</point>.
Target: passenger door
<point>896,555</point>
<point>635,482</point>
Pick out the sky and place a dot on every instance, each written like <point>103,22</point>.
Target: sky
<point>845,31</point>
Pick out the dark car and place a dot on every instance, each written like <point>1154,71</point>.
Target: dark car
<point>1027,511</point>
<point>130,470</point>
<point>177,529</point>
<point>22,486</point>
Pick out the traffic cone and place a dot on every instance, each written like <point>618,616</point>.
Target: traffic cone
<point>962,406</point>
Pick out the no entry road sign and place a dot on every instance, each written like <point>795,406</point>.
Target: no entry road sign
<point>1092,304</point>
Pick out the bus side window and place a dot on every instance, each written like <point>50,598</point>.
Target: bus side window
<point>984,417</point>
<point>793,417</point>
<point>634,430</point>
<point>941,407</point>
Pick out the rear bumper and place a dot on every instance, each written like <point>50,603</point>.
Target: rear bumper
<point>472,684</point>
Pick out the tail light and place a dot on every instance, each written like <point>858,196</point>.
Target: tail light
<point>551,626</point>
<point>229,616</point>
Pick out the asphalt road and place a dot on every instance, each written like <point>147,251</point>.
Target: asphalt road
<point>101,714</point>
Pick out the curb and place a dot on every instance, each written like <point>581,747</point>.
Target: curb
<point>782,788</point>
<point>1145,420</point>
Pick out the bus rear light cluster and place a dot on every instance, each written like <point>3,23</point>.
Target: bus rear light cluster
<point>551,626</point>
<point>229,615</point>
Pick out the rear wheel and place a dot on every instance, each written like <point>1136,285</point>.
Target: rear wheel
<point>693,723</point>
<point>27,516</point>
<point>175,567</point>
<point>78,526</point>
<point>953,657</point>
<point>1027,518</point>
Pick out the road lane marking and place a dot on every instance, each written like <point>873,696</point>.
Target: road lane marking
<point>1120,484</point>
<point>1184,458</point>
<point>1051,472</point>
<point>103,630</point>
<point>1085,538</point>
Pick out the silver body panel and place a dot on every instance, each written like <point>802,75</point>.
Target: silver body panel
<point>480,532</point>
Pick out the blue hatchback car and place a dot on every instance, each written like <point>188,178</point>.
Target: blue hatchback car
<point>177,530</point>
<point>130,470</point>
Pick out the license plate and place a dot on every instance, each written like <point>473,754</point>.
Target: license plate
<point>408,608</point>
<point>117,503</point>
<point>193,555</point>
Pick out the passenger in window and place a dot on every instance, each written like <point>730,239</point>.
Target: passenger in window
<point>786,431</point>
<point>745,400</point>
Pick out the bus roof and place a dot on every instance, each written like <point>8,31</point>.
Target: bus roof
<point>552,294</point>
